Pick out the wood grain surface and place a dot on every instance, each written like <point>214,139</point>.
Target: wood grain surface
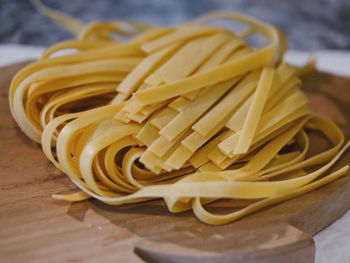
<point>36,228</point>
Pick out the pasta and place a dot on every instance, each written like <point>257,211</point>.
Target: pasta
<point>191,114</point>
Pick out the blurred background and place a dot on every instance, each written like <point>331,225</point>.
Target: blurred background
<point>308,24</point>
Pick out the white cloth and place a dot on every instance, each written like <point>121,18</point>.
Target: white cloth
<point>11,53</point>
<point>333,243</point>
<point>336,62</point>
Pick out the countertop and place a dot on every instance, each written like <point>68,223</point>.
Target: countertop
<point>333,243</point>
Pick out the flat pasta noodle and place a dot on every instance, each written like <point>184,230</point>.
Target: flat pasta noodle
<point>191,114</point>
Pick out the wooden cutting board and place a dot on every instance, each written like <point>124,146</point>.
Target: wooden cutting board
<point>36,228</point>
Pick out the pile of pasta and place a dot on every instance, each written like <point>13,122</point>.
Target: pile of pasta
<point>192,114</point>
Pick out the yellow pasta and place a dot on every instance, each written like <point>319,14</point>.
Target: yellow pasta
<point>191,114</point>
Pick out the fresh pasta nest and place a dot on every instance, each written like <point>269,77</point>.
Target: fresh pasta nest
<point>191,114</point>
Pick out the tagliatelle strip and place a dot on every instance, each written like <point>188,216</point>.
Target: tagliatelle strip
<point>190,114</point>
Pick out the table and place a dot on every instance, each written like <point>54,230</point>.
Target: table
<point>333,243</point>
